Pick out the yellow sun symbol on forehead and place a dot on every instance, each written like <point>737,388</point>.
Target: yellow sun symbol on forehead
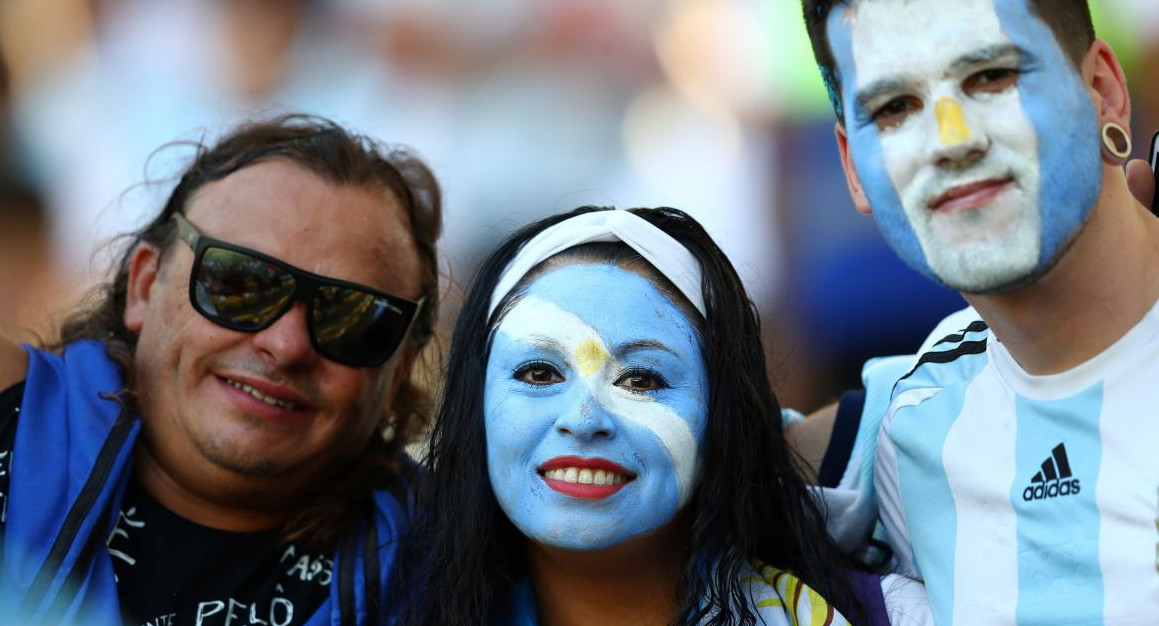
<point>590,356</point>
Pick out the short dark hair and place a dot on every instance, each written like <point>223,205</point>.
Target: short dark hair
<point>341,158</point>
<point>750,502</point>
<point>1069,20</point>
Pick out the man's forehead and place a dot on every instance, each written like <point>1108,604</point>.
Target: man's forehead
<point>903,37</point>
<point>359,233</point>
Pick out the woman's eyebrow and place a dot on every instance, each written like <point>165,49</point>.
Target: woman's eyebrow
<point>546,342</point>
<point>643,344</point>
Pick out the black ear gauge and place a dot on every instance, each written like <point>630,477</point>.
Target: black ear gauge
<point>1154,171</point>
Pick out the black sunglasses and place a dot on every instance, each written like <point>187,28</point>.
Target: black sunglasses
<point>245,290</point>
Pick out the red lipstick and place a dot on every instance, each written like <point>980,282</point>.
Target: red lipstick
<point>588,479</point>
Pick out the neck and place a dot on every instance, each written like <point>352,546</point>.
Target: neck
<point>634,582</point>
<point>1099,289</point>
<point>207,506</point>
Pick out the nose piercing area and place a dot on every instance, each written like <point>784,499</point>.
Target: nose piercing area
<point>952,127</point>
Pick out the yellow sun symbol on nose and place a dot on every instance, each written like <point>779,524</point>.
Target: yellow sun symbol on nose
<point>590,356</point>
<point>952,126</point>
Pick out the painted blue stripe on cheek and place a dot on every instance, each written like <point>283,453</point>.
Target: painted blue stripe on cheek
<point>1058,535</point>
<point>920,437</point>
<point>1055,100</point>
<point>865,148</point>
<point>663,503</point>
<point>515,418</point>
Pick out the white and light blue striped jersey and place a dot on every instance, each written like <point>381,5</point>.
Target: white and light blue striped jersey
<point>1024,499</point>
<point>846,474</point>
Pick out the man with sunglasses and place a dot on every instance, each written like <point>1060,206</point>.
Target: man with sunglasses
<point>219,439</point>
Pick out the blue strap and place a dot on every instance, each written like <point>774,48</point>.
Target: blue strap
<point>72,450</point>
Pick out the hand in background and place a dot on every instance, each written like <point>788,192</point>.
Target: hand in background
<point>1141,181</point>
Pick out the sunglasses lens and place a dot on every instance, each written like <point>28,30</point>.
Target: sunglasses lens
<point>355,327</point>
<point>240,291</point>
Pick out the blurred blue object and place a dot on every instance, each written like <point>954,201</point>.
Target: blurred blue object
<point>847,290</point>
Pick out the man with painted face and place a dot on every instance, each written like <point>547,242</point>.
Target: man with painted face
<point>209,443</point>
<point>1015,466</point>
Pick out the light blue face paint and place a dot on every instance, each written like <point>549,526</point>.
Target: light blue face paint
<point>865,148</point>
<point>558,395</point>
<point>1055,99</point>
<point>1057,170</point>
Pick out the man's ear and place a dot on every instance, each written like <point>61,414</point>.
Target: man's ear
<point>851,179</point>
<point>402,372</point>
<point>1107,86</point>
<point>144,265</point>
<point>401,375</point>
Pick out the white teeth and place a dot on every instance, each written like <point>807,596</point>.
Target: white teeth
<point>289,406</point>
<point>585,476</point>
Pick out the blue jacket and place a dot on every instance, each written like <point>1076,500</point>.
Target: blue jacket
<point>70,466</point>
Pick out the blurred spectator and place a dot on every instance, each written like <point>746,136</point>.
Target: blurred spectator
<point>5,94</point>
<point>27,280</point>
<point>517,104</point>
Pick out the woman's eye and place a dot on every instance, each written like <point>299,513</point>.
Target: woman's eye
<point>993,80</point>
<point>640,381</point>
<point>538,374</point>
<point>896,111</point>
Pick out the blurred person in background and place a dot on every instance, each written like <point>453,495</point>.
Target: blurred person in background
<point>461,81</point>
<point>218,437</point>
<point>28,277</point>
<point>1013,458</point>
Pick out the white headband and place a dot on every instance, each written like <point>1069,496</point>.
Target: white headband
<point>657,247</point>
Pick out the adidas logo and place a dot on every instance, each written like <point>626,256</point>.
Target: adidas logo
<point>1054,480</point>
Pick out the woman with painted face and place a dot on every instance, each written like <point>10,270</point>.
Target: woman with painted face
<point>609,451</point>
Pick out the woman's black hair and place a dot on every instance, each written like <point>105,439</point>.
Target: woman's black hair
<point>750,501</point>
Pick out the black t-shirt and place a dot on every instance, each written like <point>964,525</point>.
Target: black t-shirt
<point>9,411</point>
<point>172,572</point>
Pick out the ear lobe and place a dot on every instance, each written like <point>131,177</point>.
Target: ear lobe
<point>1107,86</point>
<point>399,378</point>
<point>856,191</point>
<point>144,265</point>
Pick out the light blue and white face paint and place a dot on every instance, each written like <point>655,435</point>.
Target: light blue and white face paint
<point>595,405</point>
<point>972,134</point>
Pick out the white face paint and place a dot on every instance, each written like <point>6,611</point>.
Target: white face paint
<point>595,406</point>
<point>958,148</point>
<point>940,103</point>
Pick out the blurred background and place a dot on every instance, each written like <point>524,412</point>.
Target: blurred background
<point>523,108</point>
